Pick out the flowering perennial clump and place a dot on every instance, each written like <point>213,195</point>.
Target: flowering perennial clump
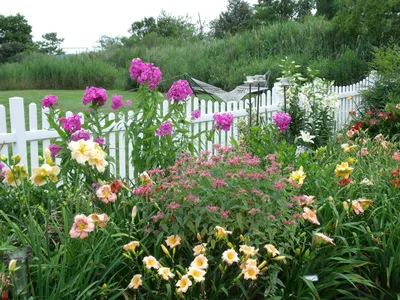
<point>223,120</point>
<point>145,72</point>
<point>282,120</point>
<point>179,90</point>
<point>49,101</point>
<point>164,129</point>
<point>71,124</point>
<point>94,95</point>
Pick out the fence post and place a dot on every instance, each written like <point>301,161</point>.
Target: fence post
<point>17,118</point>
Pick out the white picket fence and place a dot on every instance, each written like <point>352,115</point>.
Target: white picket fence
<point>33,138</point>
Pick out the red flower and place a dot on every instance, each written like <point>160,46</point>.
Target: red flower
<point>396,172</point>
<point>357,126</point>
<point>345,181</point>
<point>396,183</point>
<point>116,186</point>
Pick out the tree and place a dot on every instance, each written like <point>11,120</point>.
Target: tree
<point>270,11</point>
<point>326,8</point>
<point>166,25</point>
<point>15,36</point>
<point>237,18</point>
<point>51,44</point>
<point>108,41</point>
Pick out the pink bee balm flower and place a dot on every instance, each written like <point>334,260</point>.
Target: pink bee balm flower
<point>179,90</point>
<point>49,100</point>
<point>105,194</point>
<point>116,102</point>
<point>282,120</point>
<point>164,129</point>
<point>71,124</point>
<point>223,120</point>
<point>196,114</point>
<point>97,96</point>
<point>81,227</point>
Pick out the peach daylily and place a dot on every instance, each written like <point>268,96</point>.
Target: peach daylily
<point>183,284</point>
<point>81,150</point>
<point>165,273</point>
<point>151,263</point>
<point>99,220</point>
<point>321,238</point>
<point>197,274</point>
<point>131,246</point>
<point>105,194</point>
<point>272,250</point>
<point>221,232</point>
<point>250,272</point>
<point>44,174</point>
<point>173,240</point>
<point>360,205</point>
<point>248,250</point>
<point>230,256</point>
<point>200,262</point>
<point>136,282</point>
<point>310,215</point>
<point>199,249</point>
<point>81,227</point>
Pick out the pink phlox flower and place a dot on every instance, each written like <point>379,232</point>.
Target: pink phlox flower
<point>212,208</point>
<point>99,140</point>
<point>164,129</point>
<point>150,74</point>
<point>81,135</point>
<point>225,214</point>
<point>116,102</point>
<point>179,91</point>
<point>54,149</point>
<point>94,95</point>
<point>49,100</point>
<point>218,183</point>
<point>173,206</point>
<point>196,114</point>
<point>282,120</point>
<point>223,120</point>
<point>279,185</point>
<point>71,124</point>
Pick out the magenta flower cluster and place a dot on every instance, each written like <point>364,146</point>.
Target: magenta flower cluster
<point>81,135</point>
<point>145,72</point>
<point>97,96</point>
<point>196,114</point>
<point>282,120</point>
<point>71,124</point>
<point>223,120</point>
<point>54,149</point>
<point>49,100</point>
<point>164,129</point>
<point>99,140</point>
<point>179,90</point>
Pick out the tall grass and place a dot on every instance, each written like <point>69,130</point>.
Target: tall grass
<point>40,71</point>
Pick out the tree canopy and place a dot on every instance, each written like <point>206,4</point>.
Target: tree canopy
<point>51,44</point>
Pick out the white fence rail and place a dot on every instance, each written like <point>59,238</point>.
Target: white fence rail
<point>18,138</point>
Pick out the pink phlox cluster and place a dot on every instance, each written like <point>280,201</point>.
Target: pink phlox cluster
<point>159,216</point>
<point>145,72</point>
<point>179,91</point>
<point>94,95</point>
<point>225,214</point>
<point>99,140</point>
<point>80,135</point>
<point>223,121</point>
<point>204,173</point>
<point>282,120</point>
<point>218,183</point>
<point>193,198</point>
<point>142,190</point>
<point>71,124</point>
<point>212,208</point>
<point>196,114</point>
<point>164,129</point>
<point>173,206</point>
<point>279,185</point>
<point>49,100</point>
<point>117,102</point>
<point>254,210</point>
<point>54,149</point>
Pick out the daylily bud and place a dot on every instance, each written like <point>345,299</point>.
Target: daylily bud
<point>242,238</point>
<point>179,274</point>
<point>345,206</point>
<point>220,267</point>
<point>330,198</point>
<point>165,250</point>
<point>16,158</point>
<point>262,265</point>
<point>302,235</point>
<point>230,245</point>
<point>263,270</point>
<point>307,253</point>
<point>104,286</point>
<point>3,158</point>
<point>134,212</point>
<point>12,266</point>
<point>156,205</point>
<point>41,159</point>
<point>368,229</point>
<point>298,252</point>
<point>278,258</point>
<point>198,236</point>
<point>127,255</point>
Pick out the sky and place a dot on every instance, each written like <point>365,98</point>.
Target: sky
<point>82,22</point>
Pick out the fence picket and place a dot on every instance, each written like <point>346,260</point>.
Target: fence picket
<point>33,123</point>
<point>3,131</point>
